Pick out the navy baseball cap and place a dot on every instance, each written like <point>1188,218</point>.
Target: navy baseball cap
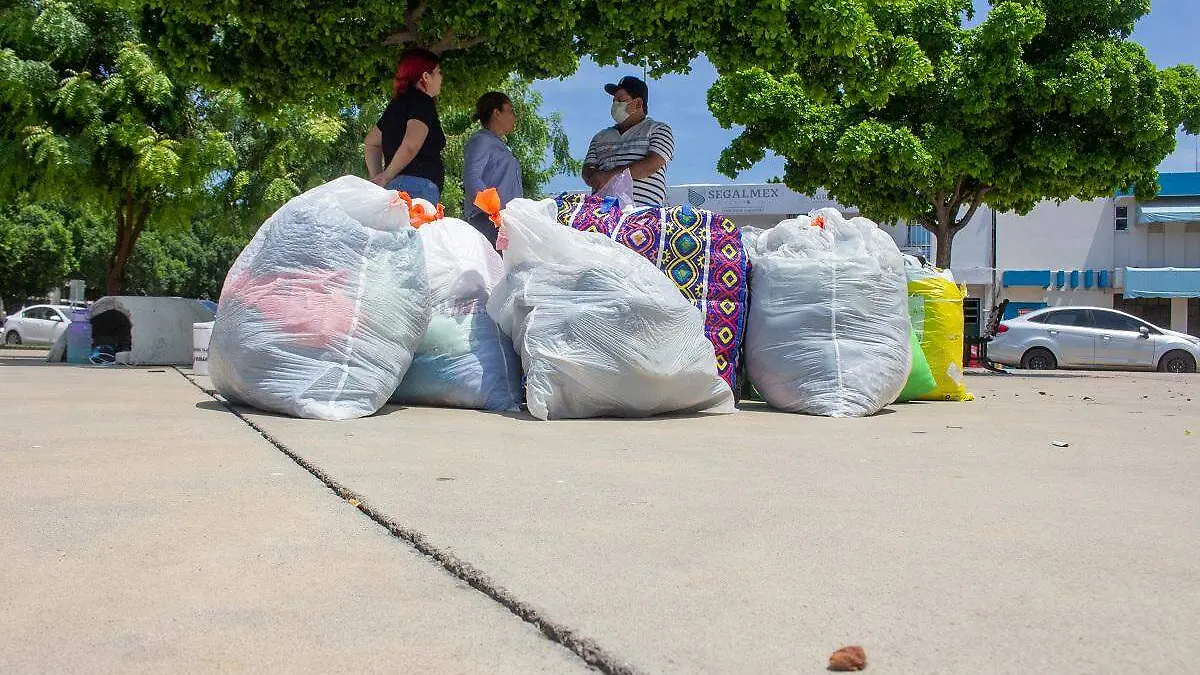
<point>634,86</point>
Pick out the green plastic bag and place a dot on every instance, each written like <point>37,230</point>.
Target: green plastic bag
<point>920,377</point>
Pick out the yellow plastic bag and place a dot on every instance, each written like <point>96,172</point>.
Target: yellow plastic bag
<point>935,305</point>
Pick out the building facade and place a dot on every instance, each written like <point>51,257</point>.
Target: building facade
<point>1141,258</point>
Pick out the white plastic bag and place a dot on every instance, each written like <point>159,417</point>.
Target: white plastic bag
<point>828,328</point>
<point>601,331</point>
<point>620,187</point>
<point>464,360</point>
<point>321,312</point>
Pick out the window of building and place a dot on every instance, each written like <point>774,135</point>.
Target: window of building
<point>1122,218</point>
<point>1155,311</point>
<point>919,240</point>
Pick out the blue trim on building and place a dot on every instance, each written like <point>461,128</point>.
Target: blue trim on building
<point>1162,282</point>
<point>1177,184</point>
<point>1039,278</point>
<point>1102,279</point>
<point>1088,278</point>
<point>1074,278</point>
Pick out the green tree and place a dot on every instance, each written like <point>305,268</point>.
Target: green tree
<point>276,52</point>
<point>1045,99</point>
<point>189,263</point>
<point>36,252</point>
<point>88,117</point>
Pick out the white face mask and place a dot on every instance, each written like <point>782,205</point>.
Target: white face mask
<point>620,111</point>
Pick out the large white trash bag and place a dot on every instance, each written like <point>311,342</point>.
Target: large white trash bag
<point>601,331</point>
<point>465,360</point>
<point>321,313</point>
<point>828,329</point>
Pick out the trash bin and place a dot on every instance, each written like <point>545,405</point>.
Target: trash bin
<point>79,337</point>
<point>201,334</point>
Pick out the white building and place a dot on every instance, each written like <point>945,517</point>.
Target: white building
<point>1142,258</point>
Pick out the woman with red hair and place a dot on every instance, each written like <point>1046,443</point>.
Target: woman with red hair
<point>403,150</point>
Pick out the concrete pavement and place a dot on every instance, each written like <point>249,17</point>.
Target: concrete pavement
<point>144,529</point>
<point>942,537</point>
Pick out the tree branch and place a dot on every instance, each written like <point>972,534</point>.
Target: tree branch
<point>140,223</point>
<point>939,208</point>
<point>451,42</point>
<point>976,200</point>
<point>956,198</point>
<point>412,25</point>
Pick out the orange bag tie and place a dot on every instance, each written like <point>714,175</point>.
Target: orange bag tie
<point>488,201</point>
<point>418,215</point>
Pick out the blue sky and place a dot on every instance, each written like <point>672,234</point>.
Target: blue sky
<point>1170,33</point>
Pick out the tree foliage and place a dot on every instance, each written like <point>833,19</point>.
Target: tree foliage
<point>1044,99</point>
<point>189,262</point>
<point>90,117</point>
<point>307,51</point>
<point>36,251</point>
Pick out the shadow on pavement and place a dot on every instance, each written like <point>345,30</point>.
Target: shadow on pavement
<point>748,406</point>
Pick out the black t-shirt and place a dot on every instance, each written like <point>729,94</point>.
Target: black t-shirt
<point>414,104</point>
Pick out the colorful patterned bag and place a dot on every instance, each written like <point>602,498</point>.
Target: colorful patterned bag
<point>700,251</point>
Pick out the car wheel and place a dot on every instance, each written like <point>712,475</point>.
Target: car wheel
<point>1177,362</point>
<point>1039,359</point>
<point>13,338</point>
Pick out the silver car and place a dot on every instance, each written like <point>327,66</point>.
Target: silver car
<point>1091,337</point>
<point>40,323</point>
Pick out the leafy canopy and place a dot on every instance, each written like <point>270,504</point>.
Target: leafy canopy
<point>1045,99</point>
<point>305,51</point>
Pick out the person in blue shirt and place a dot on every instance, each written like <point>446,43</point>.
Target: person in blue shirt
<point>488,160</point>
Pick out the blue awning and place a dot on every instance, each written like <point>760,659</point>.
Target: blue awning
<point>1162,282</point>
<point>1175,212</point>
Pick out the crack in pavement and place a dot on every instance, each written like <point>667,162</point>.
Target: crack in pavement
<point>582,646</point>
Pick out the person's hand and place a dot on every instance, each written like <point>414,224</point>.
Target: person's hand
<point>381,179</point>
<point>600,179</point>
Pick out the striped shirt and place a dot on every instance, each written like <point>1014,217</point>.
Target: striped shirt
<point>610,149</point>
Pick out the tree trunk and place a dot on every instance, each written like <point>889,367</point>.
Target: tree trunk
<point>131,218</point>
<point>946,220</point>
<point>945,240</point>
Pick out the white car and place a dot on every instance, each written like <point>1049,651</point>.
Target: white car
<point>1091,337</point>
<point>36,324</point>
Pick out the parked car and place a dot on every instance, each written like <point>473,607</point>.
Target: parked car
<point>1091,337</point>
<point>36,324</point>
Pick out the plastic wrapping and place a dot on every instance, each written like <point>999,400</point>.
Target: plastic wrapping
<point>600,330</point>
<point>828,331</point>
<point>920,379</point>
<point>936,309</point>
<point>320,314</point>
<point>464,360</point>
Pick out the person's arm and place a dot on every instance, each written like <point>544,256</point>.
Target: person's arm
<point>414,137</point>
<point>646,166</point>
<point>591,167</point>
<point>373,151</point>
<point>662,148</point>
<point>475,157</point>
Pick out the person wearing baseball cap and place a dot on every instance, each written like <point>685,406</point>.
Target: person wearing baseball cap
<point>638,143</point>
